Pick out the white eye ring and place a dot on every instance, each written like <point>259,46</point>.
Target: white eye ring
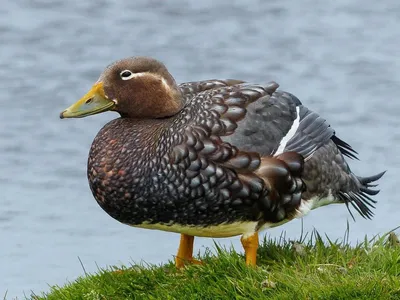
<point>126,74</point>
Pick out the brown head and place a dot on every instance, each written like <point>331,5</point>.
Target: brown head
<point>137,87</point>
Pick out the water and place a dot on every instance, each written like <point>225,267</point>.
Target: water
<point>340,59</point>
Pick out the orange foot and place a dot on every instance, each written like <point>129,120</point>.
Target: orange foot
<point>180,263</point>
<point>185,252</point>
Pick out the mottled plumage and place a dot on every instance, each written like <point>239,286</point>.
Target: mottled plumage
<point>212,158</point>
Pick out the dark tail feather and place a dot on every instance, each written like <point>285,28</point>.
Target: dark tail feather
<point>345,148</point>
<point>361,200</point>
<point>369,191</point>
<point>367,180</point>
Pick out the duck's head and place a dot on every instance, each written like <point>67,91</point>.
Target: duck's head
<point>137,87</point>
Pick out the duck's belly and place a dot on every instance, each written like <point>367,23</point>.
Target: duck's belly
<point>228,229</point>
<point>215,231</point>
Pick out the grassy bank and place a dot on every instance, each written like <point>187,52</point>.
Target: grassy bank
<point>286,270</point>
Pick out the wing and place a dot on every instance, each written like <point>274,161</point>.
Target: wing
<point>267,122</point>
<point>245,148</point>
<point>281,123</point>
<point>232,179</point>
<point>308,132</point>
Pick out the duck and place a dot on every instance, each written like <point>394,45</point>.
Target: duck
<point>212,158</point>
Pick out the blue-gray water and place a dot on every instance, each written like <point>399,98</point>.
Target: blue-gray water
<point>340,59</point>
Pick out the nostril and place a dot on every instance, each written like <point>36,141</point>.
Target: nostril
<point>89,100</point>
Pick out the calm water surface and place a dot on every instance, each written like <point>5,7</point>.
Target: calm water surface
<point>340,59</point>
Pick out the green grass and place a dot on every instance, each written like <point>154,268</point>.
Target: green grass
<point>286,270</point>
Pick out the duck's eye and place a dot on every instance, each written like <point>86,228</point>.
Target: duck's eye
<point>126,75</point>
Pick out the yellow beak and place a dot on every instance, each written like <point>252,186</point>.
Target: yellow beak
<point>93,102</point>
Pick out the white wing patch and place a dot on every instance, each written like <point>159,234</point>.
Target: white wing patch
<point>290,133</point>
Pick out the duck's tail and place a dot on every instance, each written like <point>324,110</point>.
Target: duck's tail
<point>360,200</point>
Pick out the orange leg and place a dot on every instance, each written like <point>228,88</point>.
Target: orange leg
<point>185,251</point>
<point>250,245</point>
